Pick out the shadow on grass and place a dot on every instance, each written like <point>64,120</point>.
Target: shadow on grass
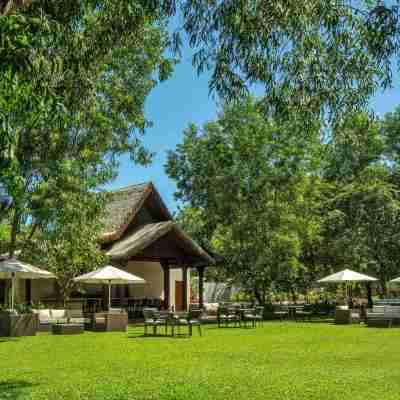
<point>8,339</point>
<point>14,389</point>
<point>329,321</point>
<point>158,335</point>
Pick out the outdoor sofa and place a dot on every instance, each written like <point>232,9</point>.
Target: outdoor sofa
<point>49,317</point>
<point>383,316</point>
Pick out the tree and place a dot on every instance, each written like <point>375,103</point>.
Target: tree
<point>324,58</point>
<point>247,177</point>
<point>361,199</point>
<point>68,245</point>
<point>73,81</point>
<point>8,7</point>
<point>369,213</point>
<point>356,142</point>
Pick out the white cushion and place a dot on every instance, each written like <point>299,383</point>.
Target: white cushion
<point>392,312</point>
<point>342,307</point>
<point>211,308</point>
<point>44,315</point>
<point>58,314</point>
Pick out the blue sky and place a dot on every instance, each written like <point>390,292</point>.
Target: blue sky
<point>185,98</point>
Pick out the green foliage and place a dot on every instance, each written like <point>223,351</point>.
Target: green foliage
<point>245,179</point>
<point>73,83</point>
<point>320,58</point>
<point>285,210</point>
<point>68,245</point>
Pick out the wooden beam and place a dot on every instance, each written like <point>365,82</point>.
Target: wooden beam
<point>165,267</point>
<point>160,260</point>
<point>185,287</point>
<point>28,291</point>
<point>200,271</point>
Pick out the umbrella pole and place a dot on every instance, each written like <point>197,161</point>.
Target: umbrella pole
<point>12,290</point>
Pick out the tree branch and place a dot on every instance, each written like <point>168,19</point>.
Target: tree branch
<point>8,7</point>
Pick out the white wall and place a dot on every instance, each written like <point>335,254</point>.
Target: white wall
<point>151,272</point>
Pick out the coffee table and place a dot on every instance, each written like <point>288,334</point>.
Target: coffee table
<point>67,329</point>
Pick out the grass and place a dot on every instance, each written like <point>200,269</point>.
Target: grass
<point>279,361</point>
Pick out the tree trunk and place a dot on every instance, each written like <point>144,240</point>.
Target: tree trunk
<point>383,293</point>
<point>259,298</point>
<point>14,231</point>
<point>294,295</point>
<point>8,7</point>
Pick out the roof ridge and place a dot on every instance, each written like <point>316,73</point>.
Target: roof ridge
<point>129,187</point>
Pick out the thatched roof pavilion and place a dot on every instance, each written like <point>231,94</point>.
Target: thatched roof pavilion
<point>139,227</point>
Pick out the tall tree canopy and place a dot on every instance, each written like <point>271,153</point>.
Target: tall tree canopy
<point>74,77</point>
<point>316,57</point>
<point>323,57</point>
<point>248,180</point>
<point>285,209</point>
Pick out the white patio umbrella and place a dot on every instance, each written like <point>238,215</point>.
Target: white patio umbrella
<point>397,280</point>
<point>345,276</point>
<point>13,268</point>
<point>111,276</point>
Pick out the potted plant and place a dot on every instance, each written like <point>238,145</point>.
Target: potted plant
<point>21,321</point>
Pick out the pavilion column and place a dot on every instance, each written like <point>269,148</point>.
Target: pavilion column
<point>28,291</point>
<point>185,302</point>
<point>200,272</point>
<point>166,269</point>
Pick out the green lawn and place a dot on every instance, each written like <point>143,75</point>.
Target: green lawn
<point>279,361</point>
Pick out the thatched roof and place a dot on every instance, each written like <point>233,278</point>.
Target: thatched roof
<point>147,234</point>
<point>127,234</point>
<point>125,204</point>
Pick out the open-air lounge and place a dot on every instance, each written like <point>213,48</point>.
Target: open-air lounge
<point>140,238</point>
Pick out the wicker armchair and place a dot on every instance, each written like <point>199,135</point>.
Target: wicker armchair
<point>153,319</point>
<point>249,315</point>
<point>343,316</point>
<point>109,322</point>
<point>227,315</point>
<point>176,320</point>
<point>259,315</point>
<point>194,319</point>
<point>282,312</point>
